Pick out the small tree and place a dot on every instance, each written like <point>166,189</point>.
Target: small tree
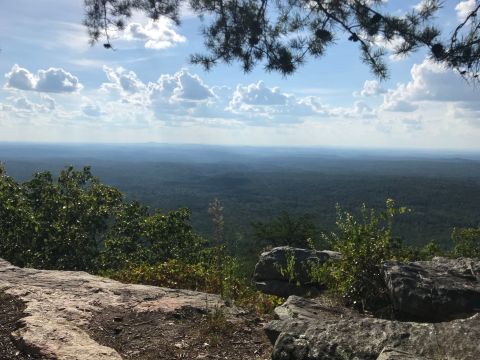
<point>215,210</point>
<point>364,244</point>
<point>467,242</point>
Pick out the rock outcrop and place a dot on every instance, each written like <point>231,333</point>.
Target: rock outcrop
<point>270,272</point>
<point>437,290</point>
<point>307,330</point>
<point>60,304</point>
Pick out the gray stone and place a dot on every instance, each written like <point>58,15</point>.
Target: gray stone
<point>269,279</point>
<point>395,354</point>
<point>60,304</point>
<point>437,290</point>
<point>307,330</point>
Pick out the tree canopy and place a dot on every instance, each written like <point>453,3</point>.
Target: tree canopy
<point>281,34</point>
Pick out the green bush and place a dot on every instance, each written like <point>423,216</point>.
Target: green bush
<point>466,242</point>
<point>364,243</point>
<point>204,276</point>
<point>55,223</point>
<point>75,222</point>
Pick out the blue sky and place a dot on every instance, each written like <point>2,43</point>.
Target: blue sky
<point>54,87</point>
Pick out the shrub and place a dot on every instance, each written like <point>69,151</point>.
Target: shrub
<point>466,242</point>
<point>55,223</point>
<point>200,276</point>
<point>364,244</point>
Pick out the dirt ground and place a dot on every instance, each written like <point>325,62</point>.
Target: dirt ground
<point>11,310</point>
<point>186,334</point>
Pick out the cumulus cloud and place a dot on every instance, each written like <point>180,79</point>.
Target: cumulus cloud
<point>258,104</point>
<point>190,87</point>
<point>52,80</point>
<point>20,78</point>
<point>92,110</point>
<point>257,94</point>
<point>398,105</point>
<point>22,105</point>
<point>123,80</point>
<point>465,8</point>
<point>184,99</point>
<point>158,34</point>
<point>180,87</point>
<point>370,88</point>
<point>50,103</point>
<point>430,82</point>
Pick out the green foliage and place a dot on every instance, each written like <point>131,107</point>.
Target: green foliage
<point>364,244</point>
<point>17,222</point>
<point>75,222</point>
<point>170,236</point>
<point>217,326</point>
<point>202,275</point>
<point>56,223</point>
<point>289,272</point>
<point>285,230</point>
<point>426,252</point>
<point>124,239</point>
<point>467,242</point>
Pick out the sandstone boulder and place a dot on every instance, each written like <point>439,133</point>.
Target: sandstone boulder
<point>270,272</point>
<point>437,290</point>
<point>307,330</point>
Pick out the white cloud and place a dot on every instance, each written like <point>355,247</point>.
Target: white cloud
<point>181,88</point>
<point>257,94</point>
<point>412,124</point>
<point>157,35</point>
<point>20,78</point>
<point>391,46</point>
<point>124,80</point>
<point>57,80</point>
<point>52,80</point>
<point>392,103</point>
<point>190,87</point>
<point>92,110</point>
<point>430,82</point>
<point>465,8</point>
<point>22,105</point>
<point>370,88</point>
<point>50,103</point>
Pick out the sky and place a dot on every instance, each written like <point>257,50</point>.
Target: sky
<point>55,87</point>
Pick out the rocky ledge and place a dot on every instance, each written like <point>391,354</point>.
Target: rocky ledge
<point>307,330</point>
<point>59,306</point>
<point>438,290</point>
<point>440,298</point>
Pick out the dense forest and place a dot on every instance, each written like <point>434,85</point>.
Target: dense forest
<point>259,184</point>
<point>157,218</point>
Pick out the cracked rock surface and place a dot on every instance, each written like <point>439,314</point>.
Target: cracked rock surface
<point>60,304</point>
<point>307,330</point>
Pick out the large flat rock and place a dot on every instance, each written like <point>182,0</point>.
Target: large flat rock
<point>60,304</point>
<point>307,330</point>
<point>437,290</point>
